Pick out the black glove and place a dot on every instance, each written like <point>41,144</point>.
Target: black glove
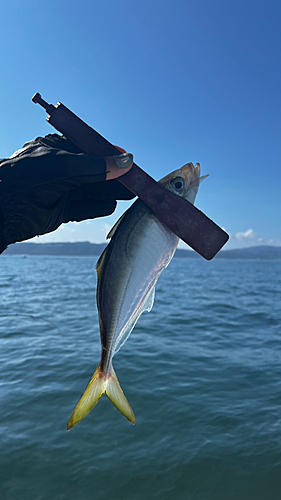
<point>49,182</point>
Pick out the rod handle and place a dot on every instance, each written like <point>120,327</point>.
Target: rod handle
<point>38,100</point>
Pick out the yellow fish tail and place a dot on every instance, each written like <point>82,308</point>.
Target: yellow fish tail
<point>99,384</point>
<point>118,398</point>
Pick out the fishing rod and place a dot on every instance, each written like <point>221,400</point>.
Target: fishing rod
<point>179,215</point>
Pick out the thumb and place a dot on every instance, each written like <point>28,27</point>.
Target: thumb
<point>120,149</point>
<point>118,165</point>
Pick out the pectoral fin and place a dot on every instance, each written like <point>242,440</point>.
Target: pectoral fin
<point>147,306</point>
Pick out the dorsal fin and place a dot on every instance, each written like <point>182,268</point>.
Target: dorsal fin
<point>113,229</point>
<point>100,262</point>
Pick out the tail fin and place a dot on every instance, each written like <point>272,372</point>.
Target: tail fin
<point>98,385</point>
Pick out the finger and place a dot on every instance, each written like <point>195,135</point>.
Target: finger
<point>120,149</point>
<point>118,165</point>
<point>60,168</point>
<point>79,210</point>
<point>105,190</point>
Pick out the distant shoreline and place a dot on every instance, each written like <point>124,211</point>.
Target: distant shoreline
<point>86,248</point>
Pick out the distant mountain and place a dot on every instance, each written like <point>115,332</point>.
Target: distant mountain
<point>67,249</point>
<point>262,252</point>
<point>87,249</point>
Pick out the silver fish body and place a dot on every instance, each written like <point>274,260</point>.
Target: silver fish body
<point>141,247</point>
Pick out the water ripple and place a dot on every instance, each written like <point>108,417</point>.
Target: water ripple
<point>201,371</point>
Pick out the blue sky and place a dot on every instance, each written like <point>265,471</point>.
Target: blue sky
<point>171,82</point>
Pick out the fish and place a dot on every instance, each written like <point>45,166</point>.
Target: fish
<point>140,248</point>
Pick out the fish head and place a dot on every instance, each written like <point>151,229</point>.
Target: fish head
<point>184,181</point>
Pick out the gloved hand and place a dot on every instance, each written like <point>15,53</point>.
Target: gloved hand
<point>50,181</point>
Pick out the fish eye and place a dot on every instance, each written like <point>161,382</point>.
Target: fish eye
<point>178,183</point>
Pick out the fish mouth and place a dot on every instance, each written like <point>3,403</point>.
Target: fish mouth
<point>195,179</point>
<point>192,181</point>
<point>193,176</point>
<point>184,181</point>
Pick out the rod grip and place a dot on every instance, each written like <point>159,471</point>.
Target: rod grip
<point>38,100</point>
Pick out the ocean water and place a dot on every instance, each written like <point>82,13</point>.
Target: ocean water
<point>202,372</point>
